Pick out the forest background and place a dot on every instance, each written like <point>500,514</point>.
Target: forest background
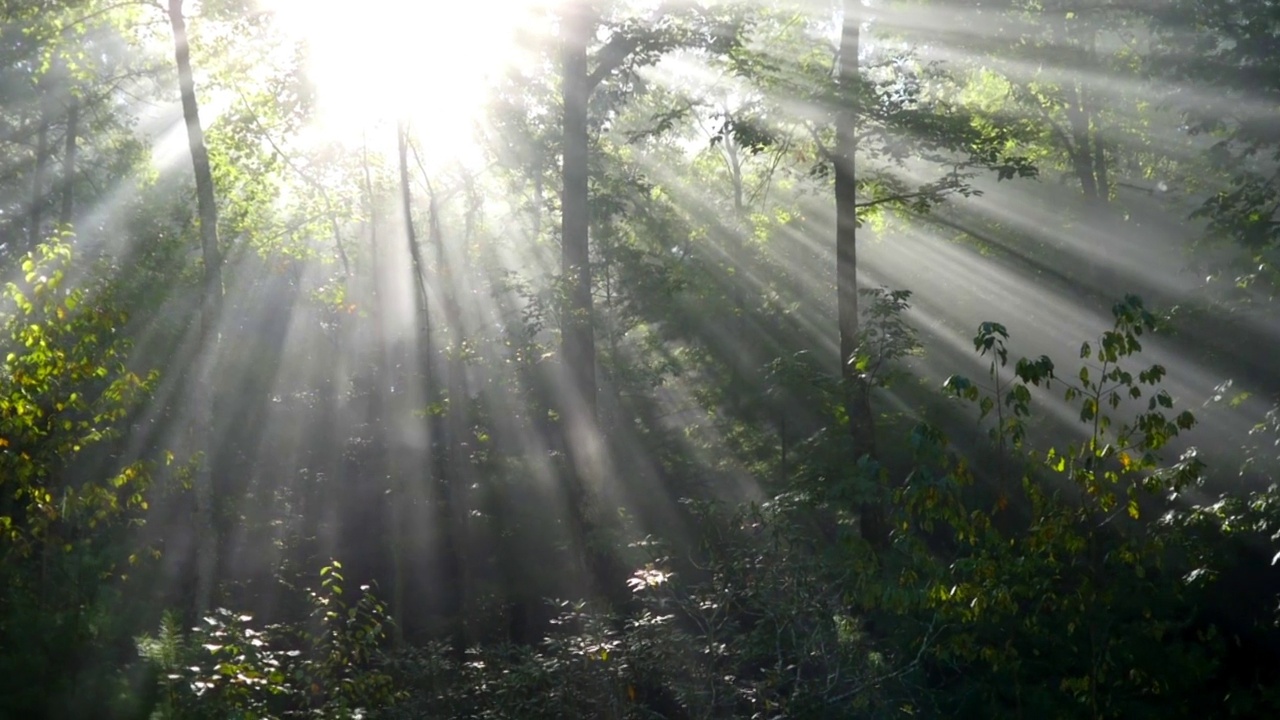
<point>639,359</point>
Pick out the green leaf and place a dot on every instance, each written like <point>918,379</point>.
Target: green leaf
<point>985,406</point>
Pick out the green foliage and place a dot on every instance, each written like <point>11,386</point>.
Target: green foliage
<point>885,337</point>
<point>65,388</point>
<point>325,668</point>
<point>1057,566</point>
<point>1061,596</point>
<point>1060,599</point>
<point>1230,51</point>
<point>762,635</point>
<point>66,393</point>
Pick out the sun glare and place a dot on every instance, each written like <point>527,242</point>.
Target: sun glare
<point>382,61</point>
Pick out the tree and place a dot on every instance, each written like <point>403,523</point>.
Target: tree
<point>210,307</point>
<point>66,395</point>
<point>577,335</point>
<point>70,155</point>
<point>583,442</point>
<point>855,389</point>
<point>1228,82</point>
<point>35,228</point>
<point>870,111</point>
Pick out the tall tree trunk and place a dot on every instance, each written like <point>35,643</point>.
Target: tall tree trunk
<point>35,217</point>
<point>458,414</point>
<point>739,373</point>
<point>381,403</point>
<point>400,497</point>
<point>577,336</point>
<point>69,156</point>
<point>415,254</point>
<point>580,424</point>
<point>1100,163</point>
<point>577,341</point>
<point>1082,153</point>
<point>733,160</point>
<point>1088,154</point>
<point>210,306</point>
<point>856,392</point>
<point>450,505</point>
<point>1089,160</point>
<point>376,298</point>
<point>539,194</point>
<point>1089,106</point>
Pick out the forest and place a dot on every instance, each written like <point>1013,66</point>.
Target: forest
<point>638,359</point>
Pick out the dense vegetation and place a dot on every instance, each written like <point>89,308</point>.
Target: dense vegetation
<point>768,359</point>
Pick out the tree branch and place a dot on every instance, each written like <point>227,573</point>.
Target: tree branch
<point>822,148</point>
<point>904,197</point>
<point>611,57</point>
<point>1055,127</point>
<point>817,141</point>
<point>83,19</point>
<point>315,184</point>
<point>929,635</point>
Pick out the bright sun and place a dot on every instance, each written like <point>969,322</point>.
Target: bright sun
<point>429,61</point>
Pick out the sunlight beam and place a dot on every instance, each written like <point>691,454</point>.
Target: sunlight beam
<point>395,59</point>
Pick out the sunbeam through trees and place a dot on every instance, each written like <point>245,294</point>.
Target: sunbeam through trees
<point>639,359</point>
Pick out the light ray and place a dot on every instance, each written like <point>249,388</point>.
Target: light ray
<point>397,59</point>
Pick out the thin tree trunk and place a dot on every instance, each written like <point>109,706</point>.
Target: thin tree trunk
<point>1088,106</point>
<point>381,405</point>
<point>1082,154</point>
<point>210,307</point>
<point>399,496</point>
<point>734,161</point>
<point>1089,159</point>
<point>69,157</point>
<point>35,217</point>
<point>415,253</point>
<point>449,505</point>
<point>457,412</point>
<point>737,261</point>
<point>1100,164</point>
<point>857,396</point>
<point>577,341</point>
<point>375,294</point>
<point>539,197</point>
